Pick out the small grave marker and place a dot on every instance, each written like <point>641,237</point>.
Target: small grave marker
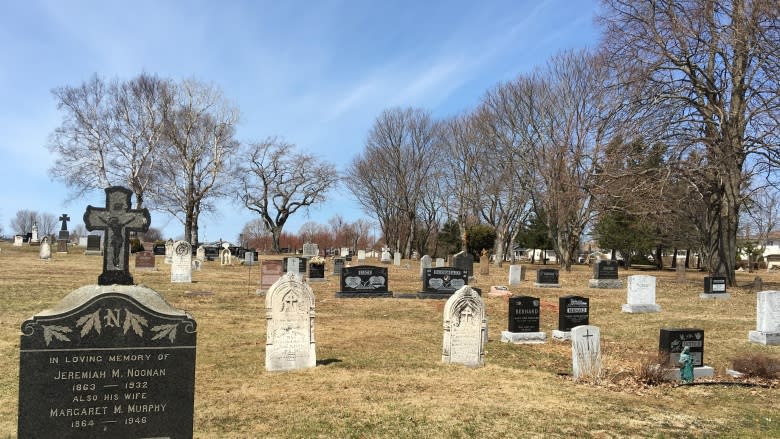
<point>547,278</point>
<point>605,275</point>
<point>523,322</point>
<point>586,351</point>
<point>271,270</point>
<point>767,319</point>
<point>671,343</point>
<point>181,262</point>
<point>572,311</point>
<point>715,288</point>
<point>641,295</point>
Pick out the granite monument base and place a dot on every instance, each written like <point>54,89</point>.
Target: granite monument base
<point>538,285</point>
<point>559,335</point>
<point>698,372</point>
<point>764,338</point>
<point>605,283</point>
<point>523,337</point>
<point>362,295</point>
<point>640,309</point>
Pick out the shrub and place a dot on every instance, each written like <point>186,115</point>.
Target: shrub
<point>757,364</point>
<point>651,370</point>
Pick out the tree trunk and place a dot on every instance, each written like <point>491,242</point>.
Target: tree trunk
<point>674,258</point>
<point>276,232</point>
<point>499,248</point>
<point>687,259</point>
<point>659,263</point>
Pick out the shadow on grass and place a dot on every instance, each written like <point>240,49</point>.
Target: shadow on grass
<point>328,361</point>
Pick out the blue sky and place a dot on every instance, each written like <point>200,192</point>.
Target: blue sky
<point>316,73</point>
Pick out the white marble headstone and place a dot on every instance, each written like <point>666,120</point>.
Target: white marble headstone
<point>425,262</point>
<point>439,262</point>
<point>45,250</point>
<point>515,274</point>
<point>586,351</point>
<point>19,240</point>
<point>181,262</point>
<point>465,328</point>
<point>641,295</point>
<point>397,259</point>
<point>289,314</point>
<point>385,257</point>
<point>767,318</point>
<point>200,253</point>
<point>169,251</point>
<point>225,258</point>
<point>361,255</point>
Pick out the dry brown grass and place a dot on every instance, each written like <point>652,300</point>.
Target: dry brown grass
<point>380,371</point>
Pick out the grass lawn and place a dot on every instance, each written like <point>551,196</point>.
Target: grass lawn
<point>380,372</point>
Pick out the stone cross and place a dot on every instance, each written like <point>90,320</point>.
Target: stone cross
<point>117,220</point>
<point>64,218</point>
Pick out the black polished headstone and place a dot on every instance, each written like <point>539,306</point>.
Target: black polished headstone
<point>673,340</point>
<point>442,282</point>
<point>714,285</point>
<point>107,362</point>
<point>572,311</point>
<point>464,261</point>
<point>316,271</point>
<point>605,269</point>
<point>547,276</point>
<point>364,281</point>
<point>523,314</point>
<point>93,243</point>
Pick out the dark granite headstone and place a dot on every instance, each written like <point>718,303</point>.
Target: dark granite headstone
<point>348,258</point>
<point>441,282</point>
<point>464,261</point>
<point>523,314</point>
<point>159,249</point>
<point>338,266</point>
<point>144,259</point>
<point>547,276</point>
<point>117,220</point>
<point>673,340</point>
<point>93,243</point>
<point>364,281</point>
<point>572,311</point>
<point>714,285</point>
<point>316,271</point>
<point>605,269</point>
<point>113,361</point>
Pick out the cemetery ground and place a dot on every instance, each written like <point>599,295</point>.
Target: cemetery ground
<point>379,371</point>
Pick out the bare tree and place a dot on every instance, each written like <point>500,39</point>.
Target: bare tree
<point>199,145</point>
<point>276,182</point>
<point>712,69</point>
<point>47,224</point>
<point>387,177</point>
<point>109,134</point>
<point>23,221</point>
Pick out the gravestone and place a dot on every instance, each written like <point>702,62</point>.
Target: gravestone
<point>117,220</point>
<point>310,249</point>
<point>605,275</point>
<point>18,240</point>
<point>671,343</point>
<point>441,283</point>
<point>144,260</point>
<point>45,251</point>
<point>344,251</point>
<point>34,238</point>
<point>158,249</point>
<point>181,262</point>
<point>586,352</point>
<point>464,261</point>
<point>82,241</point>
<point>107,361</point>
<point>714,288</point>
<point>295,265</point>
<point>680,272</point>
<point>361,255</point>
<point>338,266</point>
<point>767,319</point>
<point>415,255</point>
<point>523,327</point>
<point>249,257</point>
<point>440,262</point>
<point>499,291</point>
<point>386,258</point>
<point>397,259</point>
<point>93,246</point>
<point>271,270</point>
<point>547,278</point>
<point>363,281</point>
<point>515,275</point>
<point>64,235</point>
<point>425,262</point>
<point>169,251</point>
<point>317,272</point>
<point>465,328</point>
<point>641,295</point>
<point>572,311</point>
<point>289,316</point>
<point>484,264</point>
<point>196,265</point>
<point>200,253</point>
<point>225,258</point>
